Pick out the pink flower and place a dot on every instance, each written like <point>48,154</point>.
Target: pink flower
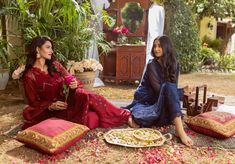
<point>120,30</point>
<point>68,79</point>
<point>115,30</point>
<point>17,74</point>
<point>124,30</point>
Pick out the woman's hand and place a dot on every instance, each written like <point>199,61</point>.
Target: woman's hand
<point>58,105</point>
<point>73,84</point>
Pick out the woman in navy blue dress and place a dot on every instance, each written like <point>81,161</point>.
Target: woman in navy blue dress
<point>157,99</point>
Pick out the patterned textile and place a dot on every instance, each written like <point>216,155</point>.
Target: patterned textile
<point>42,90</point>
<point>215,124</point>
<point>53,135</point>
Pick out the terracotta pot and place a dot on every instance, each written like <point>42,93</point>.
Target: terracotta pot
<point>87,78</point>
<point>4,77</point>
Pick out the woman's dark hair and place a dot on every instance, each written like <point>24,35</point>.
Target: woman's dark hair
<point>38,41</point>
<point>168,59</point>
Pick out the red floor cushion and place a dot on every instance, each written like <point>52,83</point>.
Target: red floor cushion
<point>215,124</point>
<point>53,135</point>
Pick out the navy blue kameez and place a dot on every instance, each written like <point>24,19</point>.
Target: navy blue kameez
<point>156,102</point>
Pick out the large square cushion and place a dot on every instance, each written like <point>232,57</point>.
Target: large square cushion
<point>216,124</point>
<point>53,135</point>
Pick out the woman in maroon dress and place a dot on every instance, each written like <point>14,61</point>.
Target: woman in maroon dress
<point>43,81</point>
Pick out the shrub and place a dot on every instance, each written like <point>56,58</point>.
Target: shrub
<point>215,44</point>
<point>227,62</point>
<point>209,56</point>
<point>181,27</point>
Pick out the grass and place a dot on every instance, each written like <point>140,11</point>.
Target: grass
<point>218,83</point>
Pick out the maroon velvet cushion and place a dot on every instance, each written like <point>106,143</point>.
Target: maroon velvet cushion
<point>53,135</point>
<point>215,124</point>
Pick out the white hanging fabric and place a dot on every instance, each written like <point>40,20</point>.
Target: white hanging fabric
<point>156,17</point>
<point>97,6</point>
<point>231,45</point>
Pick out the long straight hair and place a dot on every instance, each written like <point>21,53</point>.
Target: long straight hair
<point>38,41</point>
<point>168,59</point>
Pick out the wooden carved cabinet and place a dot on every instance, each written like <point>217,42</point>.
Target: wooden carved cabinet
<point>125,62</point>
<point>130,62</point>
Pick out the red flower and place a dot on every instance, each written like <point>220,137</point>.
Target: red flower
<point>124,30</point>
<point>115,30</point>
<point>120,30</point>
<point>68,79</point>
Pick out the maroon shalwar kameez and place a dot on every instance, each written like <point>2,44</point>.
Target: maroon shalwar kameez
<point>84,107</point>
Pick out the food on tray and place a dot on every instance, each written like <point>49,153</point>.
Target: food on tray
<point>135,137</point>
<point>147,134</point>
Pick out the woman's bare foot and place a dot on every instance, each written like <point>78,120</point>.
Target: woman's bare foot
<point>179,131</point>
<point>132,123</point>
<point>185,139</point>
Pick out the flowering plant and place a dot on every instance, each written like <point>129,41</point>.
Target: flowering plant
<point>83,66</point>
<point>17,74</point>
<point>120,30</point>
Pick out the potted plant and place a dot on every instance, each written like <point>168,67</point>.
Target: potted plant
<point>4,65</point>
<point>71,25</point>
<point>85,71</point>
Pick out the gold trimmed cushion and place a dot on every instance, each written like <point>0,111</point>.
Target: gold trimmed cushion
<point>216,124</point>
<point>53,135</point>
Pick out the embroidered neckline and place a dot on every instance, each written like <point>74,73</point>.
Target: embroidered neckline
<point>39,70</point>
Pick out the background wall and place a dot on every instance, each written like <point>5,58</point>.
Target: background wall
<point>208,26</point>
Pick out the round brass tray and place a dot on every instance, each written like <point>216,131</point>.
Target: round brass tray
<point>127,137</point>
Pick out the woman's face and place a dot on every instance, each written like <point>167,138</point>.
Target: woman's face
<point>157,49</point>
<point>45,50</point>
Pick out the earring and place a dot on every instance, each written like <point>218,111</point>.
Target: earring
<point>38,55</point>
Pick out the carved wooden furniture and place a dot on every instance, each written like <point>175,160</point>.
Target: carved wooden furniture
<point>216,100</point>
<point>129,63</point>
<point>125,62</point>
<point>192,104</point>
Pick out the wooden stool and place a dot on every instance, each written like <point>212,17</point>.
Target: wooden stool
<point>216,100</point>
<point>193,106</point>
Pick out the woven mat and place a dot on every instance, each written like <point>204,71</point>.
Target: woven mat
<point>202,140</point>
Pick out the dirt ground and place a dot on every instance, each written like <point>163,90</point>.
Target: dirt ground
<point>96,150</point>
<point>218,84</point>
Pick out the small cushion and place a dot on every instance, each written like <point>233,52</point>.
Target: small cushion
<point>53,135</point>
<point>215,124</point>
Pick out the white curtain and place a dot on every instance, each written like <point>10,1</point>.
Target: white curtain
<point>97,6</point>
<point>231,45</point>
<point>156,17</point>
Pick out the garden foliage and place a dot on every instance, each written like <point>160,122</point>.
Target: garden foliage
<point>181,27</point>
